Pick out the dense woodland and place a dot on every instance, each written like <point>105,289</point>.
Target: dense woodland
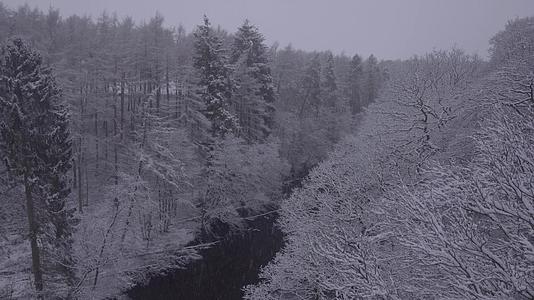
<point>128,147</point>
<point>432,197</point>
<point>121,143</point>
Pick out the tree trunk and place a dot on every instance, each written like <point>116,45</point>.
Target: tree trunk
<point>122,104</point>
<point>176,98</point>
<point>36,261</point>
<point>167,82</point>
<point>116,166</point>
<point>80,179</point>
<point>74,174</point>
<point>104,242</point>
<point>105,124</point>
<point>96,144</point>
<point>86,183</point>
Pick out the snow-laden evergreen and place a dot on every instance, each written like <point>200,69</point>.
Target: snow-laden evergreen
<point>35,144</point>
<point>249,55</point>
<point>214,80</point>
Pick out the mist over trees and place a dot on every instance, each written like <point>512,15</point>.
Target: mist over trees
<point>122,143</point>
<point>127,148</point>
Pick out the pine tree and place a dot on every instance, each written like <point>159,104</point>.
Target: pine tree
<point>355,82</point>
<point>311,87</point>
<point>372,77</point>
<point>329,82</point>
<point>36,146</point>
<point>216,88</point>
<point>216,92</point>
<point>248,105</point>
<point>249,50</point>
<point>332,112</point>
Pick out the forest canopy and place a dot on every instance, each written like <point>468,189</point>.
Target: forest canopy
<point>127,149</point>
<point>155,139</point>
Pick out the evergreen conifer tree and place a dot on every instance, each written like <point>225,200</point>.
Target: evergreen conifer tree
<point>214,81</point>
<point>250,55</point>
<point>329,82</point>
<point>249,105</point>
<point>311,87</point>
<point>36,147</point>
<point>355,82</point>
<point>372,79</point>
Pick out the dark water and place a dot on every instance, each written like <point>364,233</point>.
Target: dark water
<point>224,269</point>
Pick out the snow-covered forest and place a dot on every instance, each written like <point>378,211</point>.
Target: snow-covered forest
<point>432,197</point>
<point>128,148</point>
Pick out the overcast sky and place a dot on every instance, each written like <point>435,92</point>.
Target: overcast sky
<point>386,28</point>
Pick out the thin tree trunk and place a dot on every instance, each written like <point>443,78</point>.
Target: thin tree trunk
<point>107,141</point>
<point>82,110</point>
<point>36,261</point>
<point>122,105</point>
<point>104,242</point>
<point>167,82</point>
<point>80,178</point>
<point>86,184</point>
<point>116,166</point>
<point>74,174</point>
<point>96,144</point>
<point>176,97</point>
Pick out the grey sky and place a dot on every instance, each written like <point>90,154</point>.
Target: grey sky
<point>387,28</point>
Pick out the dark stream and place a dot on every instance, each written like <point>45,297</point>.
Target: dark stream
<point>224,269</point>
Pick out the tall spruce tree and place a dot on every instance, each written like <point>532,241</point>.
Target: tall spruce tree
<point>214,81</point>
<point>372,79</point>
<point>329,82</point>
<point>215,91</point>
<point>36,148</point>
<point>355,84</point>
<point>249,105</point>
<point>311,87</point>
<point>251,53</point>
